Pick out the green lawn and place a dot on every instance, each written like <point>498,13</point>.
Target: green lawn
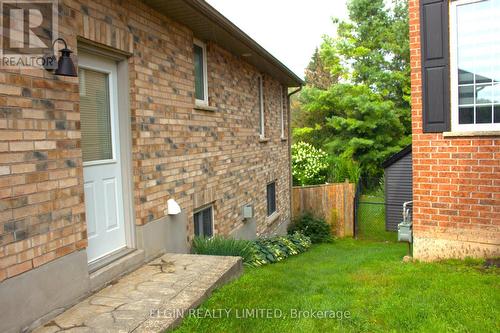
<point>367,279</point>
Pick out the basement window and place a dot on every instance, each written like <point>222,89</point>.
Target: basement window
<point>203,222</point>
<point>200,73</point>
<point>271,198</point>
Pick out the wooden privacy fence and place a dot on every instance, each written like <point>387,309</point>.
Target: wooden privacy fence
<point>332,202</point>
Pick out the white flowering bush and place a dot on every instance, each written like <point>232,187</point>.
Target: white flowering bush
<point>309,164</point>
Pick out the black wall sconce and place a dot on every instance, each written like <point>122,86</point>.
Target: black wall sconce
<point>65,66</point>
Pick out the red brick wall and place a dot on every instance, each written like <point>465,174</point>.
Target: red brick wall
<point>178,152</point>
<point>456,181</point>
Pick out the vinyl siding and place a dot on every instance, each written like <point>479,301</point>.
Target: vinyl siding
<point>398,189</point>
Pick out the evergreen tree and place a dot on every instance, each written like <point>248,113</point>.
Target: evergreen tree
<point>363,116</point>
<point>317,74</point>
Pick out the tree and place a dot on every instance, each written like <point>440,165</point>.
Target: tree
<point>365,115</point>
<point>376,43</point>
<point>365,129</point>
<point>317,74</point>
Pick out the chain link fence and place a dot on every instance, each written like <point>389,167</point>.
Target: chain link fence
<point>370,210</point>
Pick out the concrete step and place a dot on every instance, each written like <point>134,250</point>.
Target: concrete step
<point>153,298</point>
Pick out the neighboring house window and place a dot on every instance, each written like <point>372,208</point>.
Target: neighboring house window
<point>203,222</point>
<point>200,73</point>
<point>475,69</point>
<point>261,108</point>
<point>271,198</point>
<point>282,106</point>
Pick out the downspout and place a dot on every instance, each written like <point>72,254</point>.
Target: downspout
<point>294,92</point>
<point>290,144</point>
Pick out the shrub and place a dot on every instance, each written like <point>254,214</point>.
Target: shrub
<point>221,246</point>
<point>274,249</point>
<point>254,253</point>
<point>309,164</point>
<point>342,168</point>
<point>314,228</point>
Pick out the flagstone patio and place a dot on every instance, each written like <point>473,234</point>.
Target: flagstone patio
<point>150,299</point>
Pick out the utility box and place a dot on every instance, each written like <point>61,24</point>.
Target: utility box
<point>405,232</point>
<point>247,212</point>
<point>405,228</point>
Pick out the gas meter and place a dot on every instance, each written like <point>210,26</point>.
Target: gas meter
<point>405,228</point>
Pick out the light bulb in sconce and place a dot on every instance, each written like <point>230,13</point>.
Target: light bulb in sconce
<point>173,207</point>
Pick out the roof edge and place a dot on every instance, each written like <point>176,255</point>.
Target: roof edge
<point>213,14</point>
<point>396,157</point>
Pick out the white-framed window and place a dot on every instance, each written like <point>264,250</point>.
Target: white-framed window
<point>475,65</point>
<point>261,108</point>
<point>200,72</point>
<point>282,107</point>
<point>203,220</point>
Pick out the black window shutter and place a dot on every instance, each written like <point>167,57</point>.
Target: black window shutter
<point>434,29</point>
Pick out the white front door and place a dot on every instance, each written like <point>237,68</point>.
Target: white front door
<point>100,145</point>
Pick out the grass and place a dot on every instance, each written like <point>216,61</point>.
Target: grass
<point>371,219</point>
<point>222,246</point>
<point>367,279</point>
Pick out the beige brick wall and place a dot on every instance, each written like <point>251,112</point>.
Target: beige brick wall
<point>456,181</point>
<point>178,152</point>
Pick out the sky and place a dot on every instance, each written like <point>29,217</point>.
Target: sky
<point>289,29</point>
